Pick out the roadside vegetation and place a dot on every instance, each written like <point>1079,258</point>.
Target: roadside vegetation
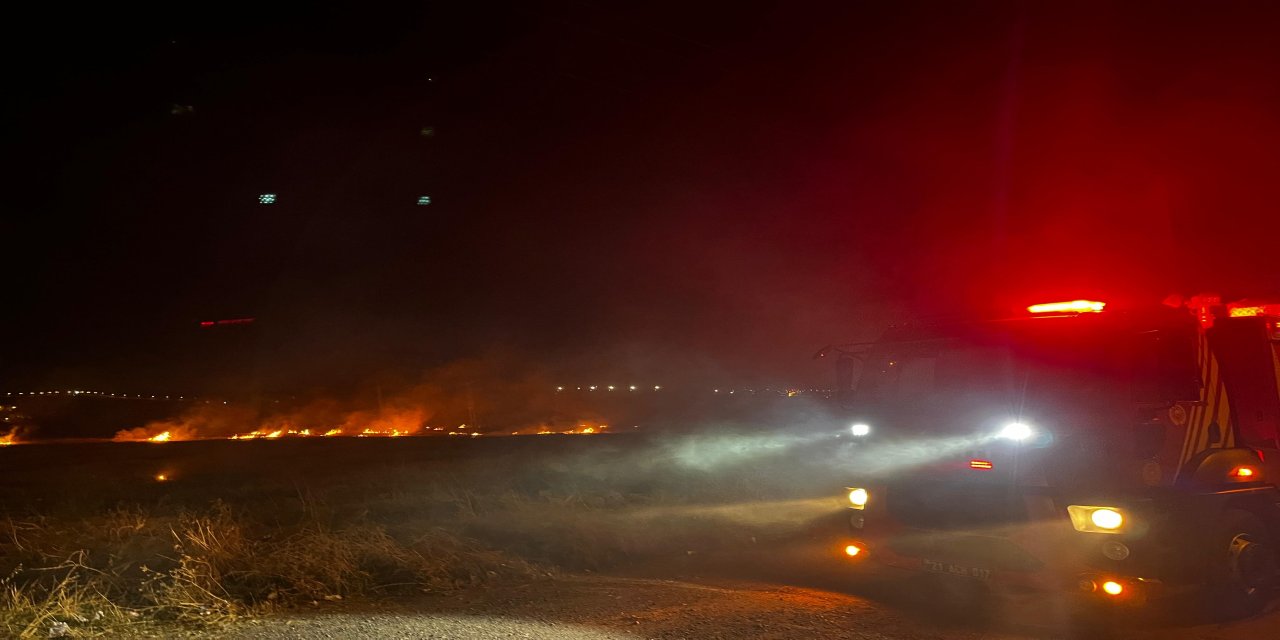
<point>151,535</point>
<point>209,565</point>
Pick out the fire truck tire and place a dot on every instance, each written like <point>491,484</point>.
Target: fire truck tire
<point>1244,565</point>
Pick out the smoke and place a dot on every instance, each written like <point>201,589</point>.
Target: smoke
<point>13,435</point>
<point>200,421</point>
<point>715,451</point>
<point>884,458</point>
<point>317,418</point>
<point>495,394</point>
<point>814,444</point>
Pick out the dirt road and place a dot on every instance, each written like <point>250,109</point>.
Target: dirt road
<point>605,608</point>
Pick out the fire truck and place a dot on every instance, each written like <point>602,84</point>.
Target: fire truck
<point>1121,454</point>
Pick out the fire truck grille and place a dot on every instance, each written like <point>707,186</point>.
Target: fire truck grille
<point>974,551</point>
<point>952,507</point>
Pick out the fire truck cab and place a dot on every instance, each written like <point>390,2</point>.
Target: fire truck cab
<point>1119,454</point>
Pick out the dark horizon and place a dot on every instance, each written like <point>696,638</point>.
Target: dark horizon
<point>664,193</point>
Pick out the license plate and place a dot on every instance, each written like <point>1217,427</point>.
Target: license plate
<point>933,566</point>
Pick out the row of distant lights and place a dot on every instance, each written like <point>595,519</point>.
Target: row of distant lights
<point>789,392</point>
<point>271,198</point>
<point>610,387</point>
<point>70,392</point>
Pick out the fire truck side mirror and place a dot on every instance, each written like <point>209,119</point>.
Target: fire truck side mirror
<point>844,372</point>
<point>844,377</point>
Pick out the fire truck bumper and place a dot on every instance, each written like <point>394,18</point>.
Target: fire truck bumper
<point>1002,566</point>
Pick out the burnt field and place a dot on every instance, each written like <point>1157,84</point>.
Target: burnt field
<point>99,535</point>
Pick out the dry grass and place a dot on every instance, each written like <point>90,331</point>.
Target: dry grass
<point>211,566</point>
<point>271,529</point>
<point>73,596</point>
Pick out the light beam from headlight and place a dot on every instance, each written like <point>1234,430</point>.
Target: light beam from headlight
<point>1015,431</point>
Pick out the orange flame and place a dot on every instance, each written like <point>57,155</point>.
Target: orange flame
<point>156,432</point>
<point>380,424</point>
<point>380,429</point>
<point>376,431</point>
<point>9,438</point>
<point>583,429</point>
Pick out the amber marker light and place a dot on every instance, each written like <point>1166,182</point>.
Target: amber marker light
<point>1112,588</point>
<point>852,550</point>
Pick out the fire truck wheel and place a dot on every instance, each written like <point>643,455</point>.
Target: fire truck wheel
<point>1245,566</point>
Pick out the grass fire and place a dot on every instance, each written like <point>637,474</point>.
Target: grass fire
<point>140,435</point>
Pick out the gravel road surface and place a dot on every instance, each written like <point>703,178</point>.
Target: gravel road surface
<point>606,608</point>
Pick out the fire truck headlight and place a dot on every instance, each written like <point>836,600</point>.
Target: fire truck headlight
<point>1107,518</point>
<point>1097,519</point>
<point>1015,431</point>
<point>860,429</point>
<point>858,498</point>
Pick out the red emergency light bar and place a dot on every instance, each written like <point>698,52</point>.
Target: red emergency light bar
<point>1237,311</point>
<point>981,464</point>
<point>1073,306</point>
<point>217,323</point>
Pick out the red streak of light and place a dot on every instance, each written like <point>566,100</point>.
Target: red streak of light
<point>212,323</point>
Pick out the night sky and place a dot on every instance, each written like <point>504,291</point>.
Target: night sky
<point>656,192</point>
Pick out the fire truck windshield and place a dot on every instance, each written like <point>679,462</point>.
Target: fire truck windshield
<point>1067,372</point>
